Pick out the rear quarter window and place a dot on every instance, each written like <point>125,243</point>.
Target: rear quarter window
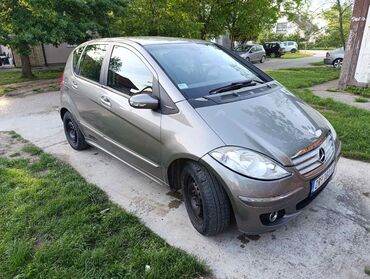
<point>76,57</point>
<point>91,62</point>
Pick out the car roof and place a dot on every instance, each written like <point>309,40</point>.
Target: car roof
<point>147,40</point>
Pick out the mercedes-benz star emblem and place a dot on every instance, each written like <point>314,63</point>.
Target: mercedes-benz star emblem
<point>321,154</point>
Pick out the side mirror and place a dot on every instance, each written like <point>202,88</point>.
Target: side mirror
<point>144,101</point>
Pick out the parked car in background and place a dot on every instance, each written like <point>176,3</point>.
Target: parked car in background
<point>335,58</point>
<point>289,46</point>
<point>273,49</point>
<point>252,53</point>
<point>193,115</point>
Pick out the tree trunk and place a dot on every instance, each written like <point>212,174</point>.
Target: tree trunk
<point>341,31</point>
<point>26,66</point>
<point>232,41</point>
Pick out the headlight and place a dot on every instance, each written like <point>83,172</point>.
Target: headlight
<point>333,133</point>
<point>248,163</point>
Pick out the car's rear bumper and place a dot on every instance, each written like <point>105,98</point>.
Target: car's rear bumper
<point>253,200</point>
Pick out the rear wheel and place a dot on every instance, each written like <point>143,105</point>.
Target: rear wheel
<point>338,63</point>
<point>206,201</point>
<point>263,59</point>
<point>293,50</point>
<point>73,133</point>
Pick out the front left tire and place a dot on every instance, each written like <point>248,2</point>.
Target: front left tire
<point>73,133</point>
<point>206,201</point>
<point>338,63</point>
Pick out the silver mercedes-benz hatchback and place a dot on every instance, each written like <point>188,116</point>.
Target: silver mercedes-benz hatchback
<point>199,118</point>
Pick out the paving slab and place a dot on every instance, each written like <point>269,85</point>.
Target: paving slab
<point>330,239</point>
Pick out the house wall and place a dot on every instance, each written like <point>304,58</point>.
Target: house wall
<point>53,55</point>
<point>36,57</point>
<point>57,55</point>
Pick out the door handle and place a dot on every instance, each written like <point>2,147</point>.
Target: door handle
<point>74,84</point>
<point>105,101</point>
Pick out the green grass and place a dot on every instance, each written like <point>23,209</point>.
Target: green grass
<point>9,77</point>
<point>296,55</point>
<point>319,63</point>
<point>364,92</point>
<point>53,224</point>
<point>367,270</point>
<point>361,100</point>
<point>304,77</point>
<point>351,124</point>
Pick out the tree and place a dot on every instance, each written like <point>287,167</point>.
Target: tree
<point>161,18</point>
<point>27,23</point>
<point>338,19</point>
<point>246,19</point>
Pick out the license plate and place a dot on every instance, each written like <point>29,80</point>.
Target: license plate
<point>319,181</point>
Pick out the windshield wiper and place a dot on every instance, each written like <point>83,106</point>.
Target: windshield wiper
<point>235,85</point>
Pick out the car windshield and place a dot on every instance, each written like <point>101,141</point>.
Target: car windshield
<point>198,68</point>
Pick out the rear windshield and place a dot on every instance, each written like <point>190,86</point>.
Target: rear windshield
<point>197,68</point>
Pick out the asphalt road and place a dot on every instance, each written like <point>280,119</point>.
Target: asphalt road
<point>328,240</point>
<point>280,63</point>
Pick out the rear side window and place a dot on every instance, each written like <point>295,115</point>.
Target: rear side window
<point>127,73</point>
<point>76,56</point>
<point>92,61</point>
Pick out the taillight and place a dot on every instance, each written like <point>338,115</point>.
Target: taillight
<point>327,55</point>
<point>61,82</point>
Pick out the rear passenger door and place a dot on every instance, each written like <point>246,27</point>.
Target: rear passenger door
<point>253,54</point>
<point>87,91</point>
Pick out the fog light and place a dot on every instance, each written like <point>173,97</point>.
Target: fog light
<point>273,216</point>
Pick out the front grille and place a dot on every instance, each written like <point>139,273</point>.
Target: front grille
<point>310,161</point>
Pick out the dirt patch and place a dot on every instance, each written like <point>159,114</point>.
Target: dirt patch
<point>174,204</point>
<point>14,146</point>
<point>31,87</point>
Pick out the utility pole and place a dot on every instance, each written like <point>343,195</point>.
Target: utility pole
<point>356,64</point>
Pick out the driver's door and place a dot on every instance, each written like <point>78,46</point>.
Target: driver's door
<point>131,134</point>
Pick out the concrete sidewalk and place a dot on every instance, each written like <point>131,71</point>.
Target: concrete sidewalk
<point>321,90</point>
<point>328,240</point>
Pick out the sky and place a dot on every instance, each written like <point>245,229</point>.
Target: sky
<point>319,5</point>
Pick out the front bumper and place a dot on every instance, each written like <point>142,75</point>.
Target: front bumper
<point>328,61</point>
<point>252,200</point>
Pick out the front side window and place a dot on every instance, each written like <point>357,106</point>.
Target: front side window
<point>198,68</point>
<point>127,73</point>
<point>92,61</point>
<point>76,56</point>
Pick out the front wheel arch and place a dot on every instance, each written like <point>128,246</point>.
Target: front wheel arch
<point>63,112</point>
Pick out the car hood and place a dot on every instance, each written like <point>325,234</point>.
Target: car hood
<point>276,124</point>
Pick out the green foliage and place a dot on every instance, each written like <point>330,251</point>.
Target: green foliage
<point>351,124</point>
<point>245,20</point>
<point>24,24</point>
<point>53,224</point>
<point>161,18</point>
<point>338,20</point>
